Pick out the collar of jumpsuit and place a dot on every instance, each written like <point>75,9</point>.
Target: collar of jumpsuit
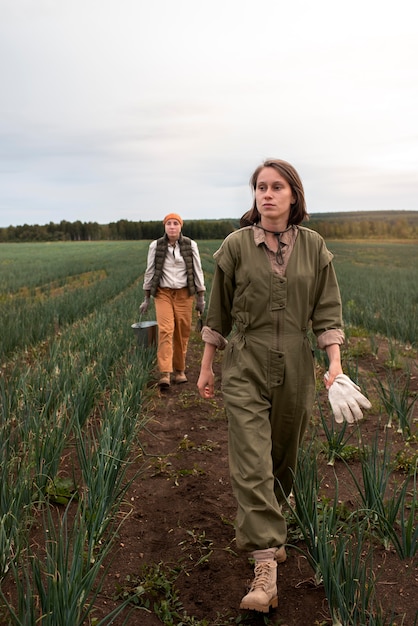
<point>282,237</point>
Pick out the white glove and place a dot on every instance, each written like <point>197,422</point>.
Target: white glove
<point>200,303</point>
<point>144,306</point>
<point>346,400</point>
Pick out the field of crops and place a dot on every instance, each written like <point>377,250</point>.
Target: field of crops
<point>379,287</point>
<point>49,287</point>
<point>73,383</point>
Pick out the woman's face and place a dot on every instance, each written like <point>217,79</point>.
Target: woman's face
<point>273,196</point>
<point>172,229</point>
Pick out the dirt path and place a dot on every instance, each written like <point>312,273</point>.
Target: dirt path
<point>181,524</point>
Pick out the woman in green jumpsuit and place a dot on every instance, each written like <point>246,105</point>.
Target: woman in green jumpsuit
<point>273,280</point>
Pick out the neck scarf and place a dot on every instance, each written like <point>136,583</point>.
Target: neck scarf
<point>281,245</point>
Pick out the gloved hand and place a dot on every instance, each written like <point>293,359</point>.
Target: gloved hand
<point>200,302</point>
<point>144,306</point>
<point>346,400</point>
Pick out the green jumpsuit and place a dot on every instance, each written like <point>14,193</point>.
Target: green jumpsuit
<point>268,375</point>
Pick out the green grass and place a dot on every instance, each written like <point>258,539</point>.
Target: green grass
<point>378,287</point>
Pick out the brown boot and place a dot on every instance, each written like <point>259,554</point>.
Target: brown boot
<point>263,591</point>
<point>164,381</point>
<point>180,377</point>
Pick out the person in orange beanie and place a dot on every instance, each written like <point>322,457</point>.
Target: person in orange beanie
<point>174,278</point>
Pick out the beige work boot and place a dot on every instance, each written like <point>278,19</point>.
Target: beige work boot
<point>263,590</point>
<point>180,377</point>
<point>164,381</point>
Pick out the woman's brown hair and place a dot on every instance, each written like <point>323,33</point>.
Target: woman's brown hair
<point>298,211</point>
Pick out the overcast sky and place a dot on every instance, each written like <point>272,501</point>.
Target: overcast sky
<point>130,109</point>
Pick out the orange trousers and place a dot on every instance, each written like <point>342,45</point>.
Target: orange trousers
<point>174,309</point>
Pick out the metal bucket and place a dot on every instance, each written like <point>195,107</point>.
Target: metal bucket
<point>146,333</point>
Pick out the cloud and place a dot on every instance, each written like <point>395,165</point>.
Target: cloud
<point>114,109</point>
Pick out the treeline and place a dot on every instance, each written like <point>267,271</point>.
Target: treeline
<point>366,225</point>
<point>115,231</point>
<point>349,225</point>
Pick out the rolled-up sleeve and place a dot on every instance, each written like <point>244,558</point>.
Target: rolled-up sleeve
<point>330,337</point>
<point>214,338</point>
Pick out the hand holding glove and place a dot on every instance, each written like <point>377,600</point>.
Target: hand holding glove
<point>144,306</point>
<point>346,400</point>
<point>200,302</point>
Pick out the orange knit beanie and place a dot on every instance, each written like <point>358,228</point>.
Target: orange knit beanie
<point>173,216</point>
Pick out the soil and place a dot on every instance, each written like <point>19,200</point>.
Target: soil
<point>180,522</point>
<point>183,512</point>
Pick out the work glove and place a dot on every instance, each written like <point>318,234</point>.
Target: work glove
<point>200,303</point>
<point>346,400</point>
<point>199,323</point>
<point>144,306</point>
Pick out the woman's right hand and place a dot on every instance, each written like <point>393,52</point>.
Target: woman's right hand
<point>206,383</point>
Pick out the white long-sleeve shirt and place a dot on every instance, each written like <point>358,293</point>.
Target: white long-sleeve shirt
<point>174,274</point>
